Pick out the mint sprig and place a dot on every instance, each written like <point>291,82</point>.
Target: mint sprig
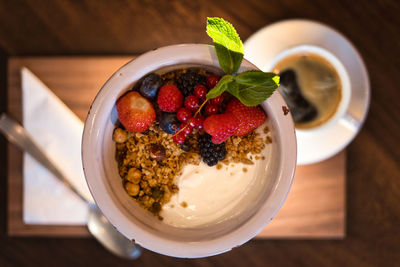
<point>250,87</point>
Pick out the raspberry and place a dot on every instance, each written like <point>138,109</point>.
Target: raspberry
<point>211,109</point>
<point>183,114</point>
<point>212,81</point>
<point>192,103</point>
<point>221,126</point>
<point>249,117</point>
<point>169,98</point>
<point>135,112</point>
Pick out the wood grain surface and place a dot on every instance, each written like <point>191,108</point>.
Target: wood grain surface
<point>68,77</point>
<point>127,27</point>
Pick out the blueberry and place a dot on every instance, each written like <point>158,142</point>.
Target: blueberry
<point>150,85</point>
<point>169,122</point>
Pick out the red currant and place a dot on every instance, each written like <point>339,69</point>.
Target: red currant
<point>192,103</point>
<point>197,122</point>
<point>212,81</point>
<point>183,114</point>
<point>211,109</point>
<point>200,91</point>
<point>187,128</point>
<point>217,101</point>
<point>179,138</point>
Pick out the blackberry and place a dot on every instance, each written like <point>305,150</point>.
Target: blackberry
<point>187,81</point>
<point>209,151</point>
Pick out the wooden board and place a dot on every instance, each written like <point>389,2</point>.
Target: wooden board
<point>315,207</point>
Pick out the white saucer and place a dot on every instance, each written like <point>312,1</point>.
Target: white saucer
<point>263,46</point>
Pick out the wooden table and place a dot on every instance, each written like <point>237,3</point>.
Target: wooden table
<point>132,27</point>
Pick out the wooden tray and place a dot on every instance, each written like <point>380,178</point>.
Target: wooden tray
<point>315,207</point>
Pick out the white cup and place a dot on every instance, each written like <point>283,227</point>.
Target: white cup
<point>341,111</point>
<point>264,198</point>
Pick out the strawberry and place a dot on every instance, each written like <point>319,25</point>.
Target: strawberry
<point>135,112</point>
<point>169,98</point>
<point>221,126</point>
<point>249,117</point>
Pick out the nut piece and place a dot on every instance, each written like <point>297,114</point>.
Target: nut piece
<point>132,189</point>
<point>134,175</point>
<point>120,136</point>
<point>157,152</point>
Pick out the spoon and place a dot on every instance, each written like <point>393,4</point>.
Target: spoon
<point>97,224</point>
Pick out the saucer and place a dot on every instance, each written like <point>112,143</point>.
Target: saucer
<point>263,46</point>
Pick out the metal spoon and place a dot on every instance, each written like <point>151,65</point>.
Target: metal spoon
<point>97,224</point>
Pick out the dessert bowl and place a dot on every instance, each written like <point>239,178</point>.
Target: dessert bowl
<point>260,202</point>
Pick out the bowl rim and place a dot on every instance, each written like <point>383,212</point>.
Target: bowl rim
<point>171,247</point>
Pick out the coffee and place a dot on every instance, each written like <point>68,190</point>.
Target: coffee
<point>311,87</point>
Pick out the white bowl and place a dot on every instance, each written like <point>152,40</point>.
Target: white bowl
<point>272,185</point>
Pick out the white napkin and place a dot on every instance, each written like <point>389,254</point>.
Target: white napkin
<point>58,131</point>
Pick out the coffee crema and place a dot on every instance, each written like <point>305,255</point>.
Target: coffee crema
<point>311,87</point>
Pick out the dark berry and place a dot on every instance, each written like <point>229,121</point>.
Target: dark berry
<point>168,122</point>
<point>210,152</point>
<point>200,91</point>
<point>187,128</point>
<point>211,109</point>
<point>187,81</point>
<point>192,103</point>
<point>150,85</point>
<point>185,147</point>
<point>212,81</point>
<point>197,122</point>
<point>179,138</point>
<point>217,100</point>
<point>183,114</point>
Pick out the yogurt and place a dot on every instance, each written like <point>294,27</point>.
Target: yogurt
<point>209,195</point>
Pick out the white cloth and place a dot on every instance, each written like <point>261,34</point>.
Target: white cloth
<point>58,131</point>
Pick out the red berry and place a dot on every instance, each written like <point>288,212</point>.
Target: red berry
<point>179,138</point>
<point>187,128</point>
<point>135,112</point>
<point>221,126</point>
<point>217,100</point>
<point>212,80</point>
<point>183,114</point>
<point>192,103</point>
<point>211,109</point>
<point>249,117</point>
<point>169,98</point>
<point>197,122</point>
<point>200,91</point>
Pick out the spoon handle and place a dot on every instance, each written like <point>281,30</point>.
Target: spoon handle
<point>17,135</point>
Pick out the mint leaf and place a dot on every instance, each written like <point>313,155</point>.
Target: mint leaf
<point>221,87</point>
<point>227,44</point>
<point>265,79</point>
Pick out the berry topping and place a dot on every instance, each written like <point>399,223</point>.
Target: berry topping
<point>221,126</point>
<point>183,114</point>
<point>186,128</point>
<point>197,122</point>
<point>179,138</point>
<point>212,81</point>
<point>187,81</point>
<point>168,122</point>
<point>217,100</point>
<point>192,103</point>
<point>209,151</point>
<point>249,117</point>
<point>135,112</point>
<point>211,109</point>
<point>200,91</point>
<point>169,98</point>
<point>150,85</point>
